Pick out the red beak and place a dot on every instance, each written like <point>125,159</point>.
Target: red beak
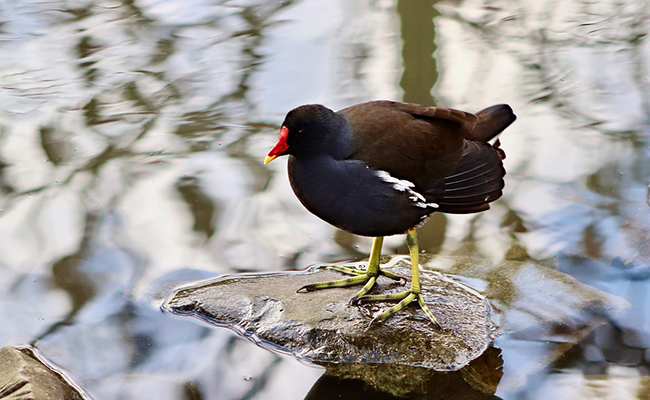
<point>280,147</point>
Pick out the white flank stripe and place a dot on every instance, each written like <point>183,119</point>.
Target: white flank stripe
<point>425,205</point>
<point>398,184</point>
<point>403,185</point>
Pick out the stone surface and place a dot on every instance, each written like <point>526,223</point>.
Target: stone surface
<point>24,377</point>
<point>322,327</point>
<point>478,380</point>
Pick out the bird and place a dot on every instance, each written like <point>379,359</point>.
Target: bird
<point>381,168</point>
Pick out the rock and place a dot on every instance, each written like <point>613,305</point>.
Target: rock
<point>478,380</point>
<point>24,377</point>
<point>321,327</point>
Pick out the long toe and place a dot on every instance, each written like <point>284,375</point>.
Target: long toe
<point>347,270</point>
<point>384,297</point>
<point>428,312</point>
<point>404,300</point>
<point>397,307</point>
<point>355,280</point>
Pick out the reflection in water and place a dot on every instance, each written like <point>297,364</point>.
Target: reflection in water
<point>478,380</point>
<point>418,34</point>
<point>201,205</point>
<point>68,274</point>
<point>131,140</point>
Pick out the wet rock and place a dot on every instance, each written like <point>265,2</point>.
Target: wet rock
<point>321,326</point>
<point>476,381</point>
<point>24,377</point>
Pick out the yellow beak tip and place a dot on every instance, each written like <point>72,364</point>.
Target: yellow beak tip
<point>268,159</point>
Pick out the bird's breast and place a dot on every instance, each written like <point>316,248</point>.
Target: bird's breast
<point>351,196</point>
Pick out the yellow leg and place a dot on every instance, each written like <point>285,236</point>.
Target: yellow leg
<point>407,297</point>
<point>366,278</point>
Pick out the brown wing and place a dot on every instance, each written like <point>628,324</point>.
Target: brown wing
<point>413,142</point>
<point>443,151</point>
<point>476,181</point>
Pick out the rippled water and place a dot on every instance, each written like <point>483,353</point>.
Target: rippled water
<point>132,136</point>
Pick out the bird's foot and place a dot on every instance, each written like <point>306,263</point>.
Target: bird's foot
<point>404,299</point>
<point>360,277</point>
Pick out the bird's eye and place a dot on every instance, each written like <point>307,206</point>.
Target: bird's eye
<point>300,131</point>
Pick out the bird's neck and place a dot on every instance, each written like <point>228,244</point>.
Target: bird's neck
<point>342,142</point>
<point>336,139</point>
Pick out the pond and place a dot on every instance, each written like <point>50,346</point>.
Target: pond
<point>132,140</point>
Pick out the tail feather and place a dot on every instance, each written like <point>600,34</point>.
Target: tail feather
<point>491,121</point>
<point>468,184</point>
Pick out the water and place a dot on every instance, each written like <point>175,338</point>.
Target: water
<point>132,136</point>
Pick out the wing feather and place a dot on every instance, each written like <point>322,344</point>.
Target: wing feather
<point>443,151</point>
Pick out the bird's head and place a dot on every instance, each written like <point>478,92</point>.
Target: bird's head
<point>310,129</point>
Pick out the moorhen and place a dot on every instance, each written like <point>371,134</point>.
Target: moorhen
<point>381,168</point>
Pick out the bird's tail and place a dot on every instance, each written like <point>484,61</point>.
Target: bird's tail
<point>491,121</point>
<point>478,178</point>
